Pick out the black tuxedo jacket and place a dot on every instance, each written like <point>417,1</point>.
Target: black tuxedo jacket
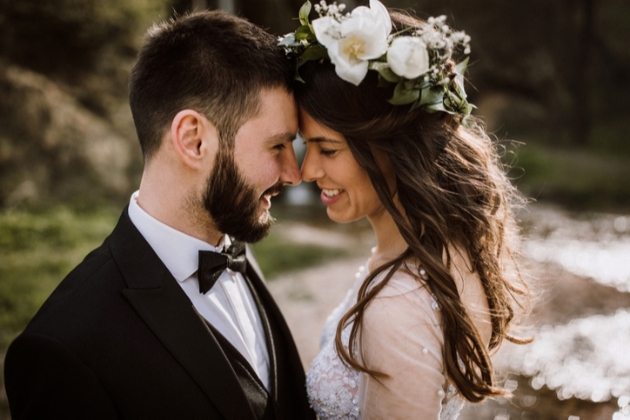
<point>120,339</point>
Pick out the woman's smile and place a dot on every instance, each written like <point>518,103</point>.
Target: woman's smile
<point>330,197</point>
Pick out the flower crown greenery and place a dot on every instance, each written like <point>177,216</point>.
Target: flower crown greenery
<point>413,61</point>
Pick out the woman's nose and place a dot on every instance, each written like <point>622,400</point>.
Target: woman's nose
<point>311,170</point>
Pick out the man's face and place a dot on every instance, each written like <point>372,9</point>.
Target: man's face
<point>239,189</point>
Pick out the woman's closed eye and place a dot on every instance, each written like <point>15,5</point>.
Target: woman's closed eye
<point>327,152</point>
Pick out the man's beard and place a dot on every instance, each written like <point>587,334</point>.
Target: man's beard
<point>233,204</point>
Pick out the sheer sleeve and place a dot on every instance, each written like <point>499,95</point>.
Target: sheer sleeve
<point>402,337</point>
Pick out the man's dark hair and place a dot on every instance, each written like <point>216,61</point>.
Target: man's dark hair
<point>211,62</point>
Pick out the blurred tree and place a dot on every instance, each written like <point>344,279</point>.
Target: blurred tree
<point>64,38</point>
<point>85,45</point>
<point>583,73</point>
<point>566,57</point>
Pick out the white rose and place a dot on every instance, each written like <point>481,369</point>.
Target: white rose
<point>408,57</point>
<point>360,37</point>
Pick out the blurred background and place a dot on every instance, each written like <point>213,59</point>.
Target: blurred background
<point>551,80</point>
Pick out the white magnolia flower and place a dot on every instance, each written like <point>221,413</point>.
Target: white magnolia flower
<point>408,57</point>
<point>357,38</point>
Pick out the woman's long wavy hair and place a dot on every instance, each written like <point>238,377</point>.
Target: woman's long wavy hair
<point>451,189</point>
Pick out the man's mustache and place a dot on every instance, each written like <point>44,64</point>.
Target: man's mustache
<point>274,190</point>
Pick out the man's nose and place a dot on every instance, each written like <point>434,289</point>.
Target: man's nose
<point>290,171</point>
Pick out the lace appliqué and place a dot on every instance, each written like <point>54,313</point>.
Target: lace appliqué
<point>332,387</point>
<point>452,404</point>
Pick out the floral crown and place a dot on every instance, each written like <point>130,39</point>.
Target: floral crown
<point>413,61</point>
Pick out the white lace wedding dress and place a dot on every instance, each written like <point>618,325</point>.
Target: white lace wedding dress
<point>401,337</point>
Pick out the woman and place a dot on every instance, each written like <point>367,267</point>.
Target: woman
<point>385,119</point>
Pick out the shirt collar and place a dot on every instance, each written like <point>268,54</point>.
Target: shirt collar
<point>178,251</point>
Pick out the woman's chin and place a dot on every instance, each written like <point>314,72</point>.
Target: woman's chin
<point>339,217</point>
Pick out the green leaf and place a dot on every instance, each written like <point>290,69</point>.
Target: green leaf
<point>459,79</point>
<point>299,63</point>
<point>385,71</point>
<point>461,67</point>
<point>314,52</point>
<point>304,32</point>
<point>415,106</point>
<point>305,10</point>
<point>432,95</point>
<point>296,76</point>
<point>404,96</point>
<point>410,85</point>
<point>383,83</point>
<point>425,84</point>
<point>437,108</point>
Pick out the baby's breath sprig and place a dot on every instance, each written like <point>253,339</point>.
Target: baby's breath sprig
<point>333,10</point>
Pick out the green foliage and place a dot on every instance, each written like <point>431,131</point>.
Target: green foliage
<point>580,179</point>
<point>430,93</point>
<point>303,42</point>
<point>276,255</point>
<point>36,252</point>
<point>385,72</point>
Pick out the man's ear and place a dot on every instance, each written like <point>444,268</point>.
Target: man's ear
<point>194,138</point>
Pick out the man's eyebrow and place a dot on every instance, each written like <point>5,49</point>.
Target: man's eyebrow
<point>322,140</point>
<point>283,137</point>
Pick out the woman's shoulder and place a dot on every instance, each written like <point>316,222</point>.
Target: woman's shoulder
<point>407,295</point>
<point>405,298</point>
<point>403,284</point>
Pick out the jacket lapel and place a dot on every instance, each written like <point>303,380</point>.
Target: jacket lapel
<point>288,379</point>
<point>254,279</point>
<point>167,311</point>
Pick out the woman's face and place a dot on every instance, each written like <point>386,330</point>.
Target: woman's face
<point>346,188</point>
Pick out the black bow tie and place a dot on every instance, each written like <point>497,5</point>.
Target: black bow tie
<point>212,264</point>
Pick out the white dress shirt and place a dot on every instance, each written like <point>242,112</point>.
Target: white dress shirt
<point>228,305</point>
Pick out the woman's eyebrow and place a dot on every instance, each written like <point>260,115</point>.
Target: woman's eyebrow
<point>322,140</point>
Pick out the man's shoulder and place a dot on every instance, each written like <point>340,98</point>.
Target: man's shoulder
<point>93,283</point>
<point>93,262</point>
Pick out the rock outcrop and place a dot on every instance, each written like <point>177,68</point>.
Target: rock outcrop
<point>53,147</point>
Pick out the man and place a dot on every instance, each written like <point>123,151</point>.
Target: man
<point>158,322</point>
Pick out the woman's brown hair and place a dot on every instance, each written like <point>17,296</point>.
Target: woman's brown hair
<point>451,189</point>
